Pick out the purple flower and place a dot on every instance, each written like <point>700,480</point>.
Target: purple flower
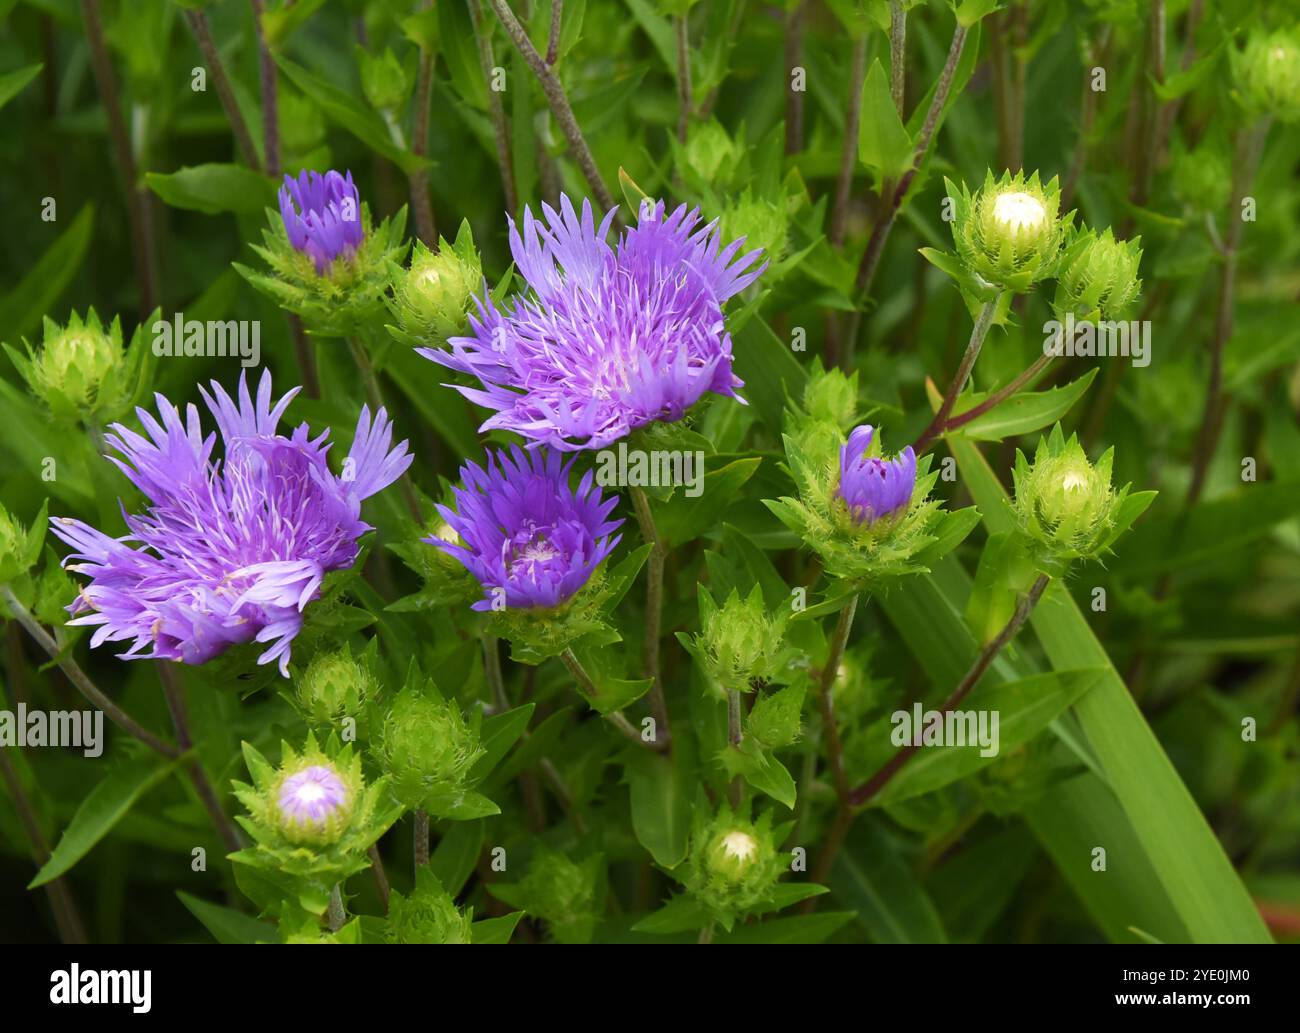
<point>873,487</point>
<point>608,339</point>
<point>525,531</point>
<point>312,796</point>
<point>322,215</point>
<point>229,550</point>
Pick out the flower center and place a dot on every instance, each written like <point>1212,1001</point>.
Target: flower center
<point>1018,211</point>
<point>739,845</point>
<point>1073,481</point>
<point>312,795</point>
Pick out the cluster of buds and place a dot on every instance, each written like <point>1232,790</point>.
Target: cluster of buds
<point>82,372</point>
<point>431,298</point>
<point>760,223</point>
<point>337,685</point>
<point>314,817</point>
<point>428,749</point>
<point>732,866</point>
<point>428,915</point>
<point>1268,73</point>
<point>1009,235</point>
<point>328,263</point>
<point>1067,506</point>
<point>741,646</point>
<point>1098,277</point>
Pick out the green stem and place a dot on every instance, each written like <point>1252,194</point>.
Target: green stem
<point>82,681</point>
<point>421,828</point>
<point>834,747</point>
<point>982,323</point>
<point>588,690</point>
<point>998,397</point>
<point>174,693</point>
<point>734,736</point>
<point>653,608</point>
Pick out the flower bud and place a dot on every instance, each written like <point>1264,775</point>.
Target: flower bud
<point>431,298</point>
<point>1067,504</point>
<point>82,372</point>
<point>313,802</point>
<point>1098,280</point>
<point>1201,178</point>
<point>334,686</point>
<point>741,646</point>
<point>759,223</point>
<point>1009,234</point>
<point>428,915</point>
<point>561,892</point>
<point>314,816</point>
<point>427,749</point>
<point>20,547</point>
<point>871,487</point>
<point>383,80</point>
<point>710,151</point>
<point>732,865</point>
<point>1268,74</point>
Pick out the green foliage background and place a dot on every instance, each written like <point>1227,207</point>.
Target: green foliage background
<point>1130,734</point>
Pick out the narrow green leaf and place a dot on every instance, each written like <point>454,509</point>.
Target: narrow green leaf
<point>226,924</point>
<point>22,308</point>
<point>103,808</point>
<point>214,188</point>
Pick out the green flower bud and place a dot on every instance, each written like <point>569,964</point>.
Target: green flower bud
<point>732,865</point>
<point>383,80</point>
<point>82,372</point>
<point>774,720</point>
<point>761,223</point>
<point>1268,73</point>
<point>20,547</point>
<point>428,915</point>
<point>1201,178</point>
<point>1098,278</point>
<point>313,818</point>
<point>741,646</point>
<point>432,297</point>
<point>1067,504</point>
<point>1009,235</point>
<point>427,749</point>
<point>563,893</point>
<point>335,685</point>
<point>710,151</point>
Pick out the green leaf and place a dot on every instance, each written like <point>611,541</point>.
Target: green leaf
<point>453,860</point>
<point>214,189</point>
<point>660,798</point>
<point>1022,413</point>
<point>681,914</point>
<point>769,369</point>
<point>495,930</point>
<point>12,83</point>
<point>870,876</point>
<point>1210,530</point>
<point>761,769</point>
<point>814,928</point>
<point>884,145</point>
<point>226,924</point>
<point>105,805</point>
<point>1024,707</point>
<point>497,734</point>
<point>351,114</point>
<point>682,519</point>
<point>1205,889</point>
<point>22,308</point>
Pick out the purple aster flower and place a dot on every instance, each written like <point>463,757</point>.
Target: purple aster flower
<point>525,530</point>
<point>609,338</point>
<point>322,215</point>
<point>229,550</point>
<point>312,796</point>
<point>874,487</point>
